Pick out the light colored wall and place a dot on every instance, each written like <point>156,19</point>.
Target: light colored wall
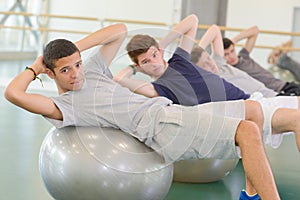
<point>267,15</point>
<point>154,11</point>
<point>166,11</point>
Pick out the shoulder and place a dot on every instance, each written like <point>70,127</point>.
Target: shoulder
<point>182,53</point>
<point>96,57</point>
<point>95,64</point>
<point>244,52</point>
<point>220,61</point>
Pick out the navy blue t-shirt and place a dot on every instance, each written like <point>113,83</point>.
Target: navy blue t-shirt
<point>186,84</point>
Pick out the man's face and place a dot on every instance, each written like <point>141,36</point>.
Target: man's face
<point>152,63</point>
<point>69,74</point>
<point>230,55</point>
<point>207,63</point>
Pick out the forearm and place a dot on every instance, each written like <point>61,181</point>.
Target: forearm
<point>103,36</point>
<point>213,36</point>
<point>251,36</point>
<point>187,28</point>
<point>139,87</point>
<point>248,33</point>
<point>208,37</point>
<point>123,74</point>
<point>16,93</point>
<point>35,103</point>
<point>18,86</point>
<point>123,77</point>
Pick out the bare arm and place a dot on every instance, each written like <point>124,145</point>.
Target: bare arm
<point>35,103</point>
<point>213,36</point>
<point>110,37</point>
<point>186,29</point>
<point>145,88</point>
<point>250,34</point>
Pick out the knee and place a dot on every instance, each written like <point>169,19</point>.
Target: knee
<point>254,111</point>
<point>254,107</point>
<point>248,134</point>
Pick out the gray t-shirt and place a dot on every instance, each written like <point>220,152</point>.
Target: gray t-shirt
<point>176,132</point>
<point>241,79</point>
<point>102,102</point>
<point>248,65</point>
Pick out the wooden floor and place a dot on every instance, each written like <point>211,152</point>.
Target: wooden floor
<point>22,133</point>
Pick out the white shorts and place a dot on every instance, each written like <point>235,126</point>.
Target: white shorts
<point>269,106</point>
<point>195,132</point>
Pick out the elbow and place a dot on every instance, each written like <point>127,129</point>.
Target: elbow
<point>255,29</point>
<point>122,29</point>
<point>121,80</point>
<point>215,27</point>
<point>117,79</point>
<point>194,19</point>
<point>152,91</point>
<point>10,95</point>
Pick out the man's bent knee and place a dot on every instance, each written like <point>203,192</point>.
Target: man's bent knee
<point>248,133</point>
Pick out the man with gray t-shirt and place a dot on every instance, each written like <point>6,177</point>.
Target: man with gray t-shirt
<point>244,62</point>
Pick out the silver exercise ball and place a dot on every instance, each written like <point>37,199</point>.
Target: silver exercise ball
<point>282,74</point>
<point>101,163</point>
<point>202,171</point>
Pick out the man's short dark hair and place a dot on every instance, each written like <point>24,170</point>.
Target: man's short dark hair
<point>227,43</point>
<point>57,49</point>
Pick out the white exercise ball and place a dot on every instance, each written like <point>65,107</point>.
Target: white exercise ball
<point>101,163</point>
<point>203,171</point>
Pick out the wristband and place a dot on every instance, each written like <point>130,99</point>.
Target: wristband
<point>29,68</point>
<point>35,76</point>
<point>133,69</point>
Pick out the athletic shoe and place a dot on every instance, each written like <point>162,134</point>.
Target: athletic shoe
<point>245,196</point>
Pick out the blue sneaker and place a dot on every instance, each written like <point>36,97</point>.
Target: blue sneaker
<point>245,196</point>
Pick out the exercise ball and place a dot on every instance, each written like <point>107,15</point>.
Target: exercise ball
<point>101,163</point>
<point>202,171</point>
<point>282,74</point>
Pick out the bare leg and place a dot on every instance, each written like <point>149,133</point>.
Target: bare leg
<point>255,162</point>
<point>249,187</point>
<point>285,120</point>
<point>253,113</point>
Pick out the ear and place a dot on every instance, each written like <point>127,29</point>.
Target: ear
<point>165,63</point>
<point>50,73</point>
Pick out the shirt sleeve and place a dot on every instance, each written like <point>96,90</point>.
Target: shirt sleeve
<point>219,60</point>
<point>244,53</point>
<point>95,64</point>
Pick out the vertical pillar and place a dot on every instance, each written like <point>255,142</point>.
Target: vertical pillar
<point>208,11</point>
